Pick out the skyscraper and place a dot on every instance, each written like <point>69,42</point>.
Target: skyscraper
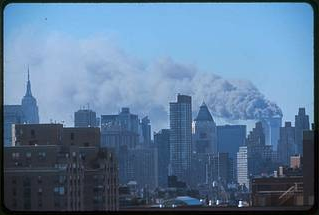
<point>301,124</point>
<point>145,131</point>
<point>161,140</point>
<point>85,118</point>
<point>230,138</point>
<point>205,136</point>
<point>181,136</point>
<point>286,144</point>
<point>242,166</point>
<point>259,154</point>
<point>29,105</point>
<point>271,128</point>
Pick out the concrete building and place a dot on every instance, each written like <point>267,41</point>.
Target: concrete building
<point>242,166</point>
<point>161,141</point>
<point>85,118</point>
<point>301,124</point>
<point>205,135</point>
<point>51,168</point>
<point>13,114</point>
<point>286,144</point>
<point>180,115</point>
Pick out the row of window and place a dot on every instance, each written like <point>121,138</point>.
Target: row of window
<point>16,155</point>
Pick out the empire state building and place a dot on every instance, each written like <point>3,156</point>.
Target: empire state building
<point>29,106</point>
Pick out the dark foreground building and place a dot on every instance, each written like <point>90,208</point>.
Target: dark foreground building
<point>51,168</point>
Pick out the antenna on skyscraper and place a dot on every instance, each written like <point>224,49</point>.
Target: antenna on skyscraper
<point>28,73</point>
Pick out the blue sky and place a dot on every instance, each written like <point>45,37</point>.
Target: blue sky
<point>269,44</point>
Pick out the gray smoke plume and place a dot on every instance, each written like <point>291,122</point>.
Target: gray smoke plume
<point>67,73</point>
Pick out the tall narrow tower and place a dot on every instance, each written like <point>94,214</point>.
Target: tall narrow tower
<point>180,117</point>
<point>301,124</point>
<point>29,105</point>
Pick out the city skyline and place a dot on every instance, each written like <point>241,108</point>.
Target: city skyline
<point>102,55</point>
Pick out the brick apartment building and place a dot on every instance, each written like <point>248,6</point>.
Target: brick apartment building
<point>52,168</point>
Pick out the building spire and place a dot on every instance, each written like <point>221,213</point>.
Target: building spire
<point>28,73</point>
<point>28,92</point>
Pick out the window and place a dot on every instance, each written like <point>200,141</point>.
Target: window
<point>41,155</point>
<point>28,154</point>
<point>14,191</point>
<point>15,155</point>
<point>32,133</point>
<point>39,179</point>
<point>72,136</point>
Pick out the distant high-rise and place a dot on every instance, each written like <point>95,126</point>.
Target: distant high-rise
<point>181,136</point>
<point>259,154</point>
<point>242,166</point>
<point>85,118</point>
<point>230,138</point>
<point>286,144</point>
<point>301,124</point>
<point>118,130</point>
<point>12,115</point>
<point>161,140</point>
<point>29,105</point>
<point>145,131</point>
<point>271,128</point>
<point>205,136</point>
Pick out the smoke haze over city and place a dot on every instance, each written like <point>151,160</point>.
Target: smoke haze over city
<point>97,72</point>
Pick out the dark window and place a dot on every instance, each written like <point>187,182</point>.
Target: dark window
<point>26,182</point>
<point>72,136</point>
<point>14,192</point>
<point>86,144</point>
<point>32,133</point>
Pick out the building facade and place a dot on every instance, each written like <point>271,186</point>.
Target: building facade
<point>242,166</point>
<point>13,114</point>
<point>145,131</point>
<point>51,168</point>
<point>286,144</point>
<point>161,141</point>
<point>85,118</point>
<point>271,127</point>
<point>301,124</point>
<point>180,116</point>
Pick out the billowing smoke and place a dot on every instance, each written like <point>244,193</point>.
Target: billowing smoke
<point>67,73</point>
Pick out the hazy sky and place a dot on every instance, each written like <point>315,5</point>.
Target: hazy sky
<point>109,53</point>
